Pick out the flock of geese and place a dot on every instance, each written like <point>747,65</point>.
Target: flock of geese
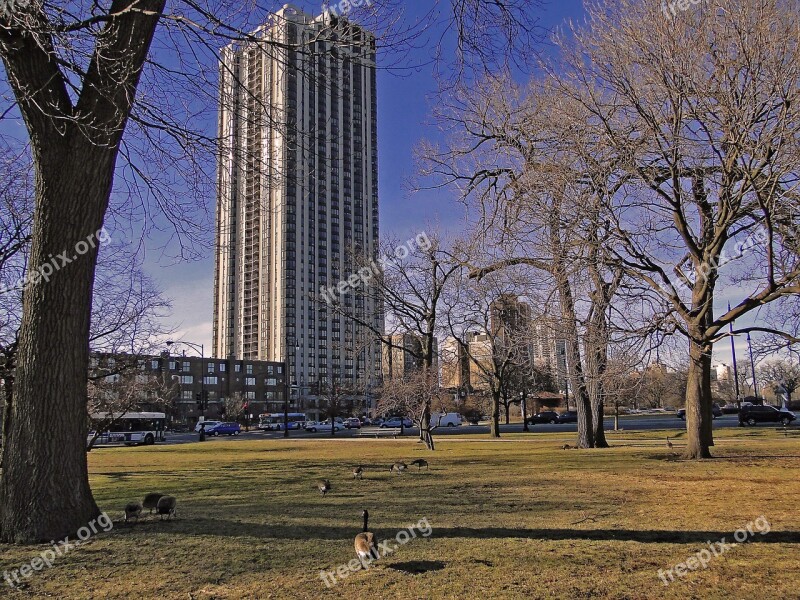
<point>365,543</point>
<point>163,505</point>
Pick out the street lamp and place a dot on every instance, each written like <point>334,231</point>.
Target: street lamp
<point>202,401</point>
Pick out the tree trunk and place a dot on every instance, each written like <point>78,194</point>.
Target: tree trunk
<point>44,491</point>
<point>698,403</point>
<point>525,413</point>
<point>494,427</point>
<point>425,427</point>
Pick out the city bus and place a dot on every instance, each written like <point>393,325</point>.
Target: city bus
<point>269,421</point>
<point>130,428</point>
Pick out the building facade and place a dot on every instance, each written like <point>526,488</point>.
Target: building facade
<point>297,206</point>
<point>178,382</point>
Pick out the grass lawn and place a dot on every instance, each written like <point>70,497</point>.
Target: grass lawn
<point>516,519</point>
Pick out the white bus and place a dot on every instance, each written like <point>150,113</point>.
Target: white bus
<point>269,421</point>
<point>131,428</point>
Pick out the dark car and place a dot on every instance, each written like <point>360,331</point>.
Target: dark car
<point>751,415</point>
<point>224,429</point>
<point>716,411</point>
<point>546,416</point>
<point>570,416</point>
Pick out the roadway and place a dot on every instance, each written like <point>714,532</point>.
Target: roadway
<point>627,423</point>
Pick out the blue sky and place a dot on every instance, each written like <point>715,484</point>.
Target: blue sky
<point>404,97</point>
<point>404,119</point>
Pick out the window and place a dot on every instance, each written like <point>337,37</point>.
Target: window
<point>222,367</point>
<point>187,366</point>
<point>271,381</point>
<point>187,395</point>
<point>250,395</point>
<point>210,380</point>
<point>187,379</point>
<point>249,380</point>
<point>154,365</point>
<point>238,368</point>
<point>211,367</point>
<point>249,369</point>
<point>173,365</point>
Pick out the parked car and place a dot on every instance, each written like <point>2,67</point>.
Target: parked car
<point>754,414</point>
<point>352,423</point>
<point>208,424</point>
<point>730,409</point>
<point>546,416</point>
<point>446,419</point>
<point>395,422</point>
<point>716,411</point>
<point>315,426</point>
<point>225,428</point>
<point>570,416</point>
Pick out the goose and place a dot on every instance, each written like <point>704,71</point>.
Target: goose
<point>324,486</point>
<point>151,501</point>
<point>358,472</point>
<point>566,447</point>
<point>133,510</point>
<point>366,547</point>
<point>669,444</point>
<point>420,462</point>
<point>398,467</point>
<point>167,506</point>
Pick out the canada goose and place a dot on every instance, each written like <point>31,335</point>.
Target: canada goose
<point>669,444</point>
<point>151,501</point>
<point>133,510</point>
<point>358,472</point>
<point>398,467</point>
<point>324,486</point>
<point>566,447</point>
<point>166,506</point>
<point>420,462</point>
<point>366,548</point>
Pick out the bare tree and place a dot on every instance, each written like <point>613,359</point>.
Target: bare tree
<point>707,170</point>
<point>75,72</point>
<point>121,385</point>
<point>783,376</point>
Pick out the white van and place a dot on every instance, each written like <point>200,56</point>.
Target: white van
<point>446,419</point>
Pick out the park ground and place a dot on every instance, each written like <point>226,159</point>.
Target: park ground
<point>516,518</point>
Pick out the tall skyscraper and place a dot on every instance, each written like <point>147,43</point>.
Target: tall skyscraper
<point>297,204</point>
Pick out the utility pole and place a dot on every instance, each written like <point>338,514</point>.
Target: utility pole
<point>752,366</point>
<point>735,368</point>
<point>286,392</point>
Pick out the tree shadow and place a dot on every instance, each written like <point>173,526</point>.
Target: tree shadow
<point>186,525</point>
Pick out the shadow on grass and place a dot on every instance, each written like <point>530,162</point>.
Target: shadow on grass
<point>417,567</point>
<point>213,527</point>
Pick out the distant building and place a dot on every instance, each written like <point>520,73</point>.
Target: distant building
<point>297,198</point>
<point>260,384</point>
<point>454,364</point>
<point>402,356</point>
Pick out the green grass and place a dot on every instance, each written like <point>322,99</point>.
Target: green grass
<point>516,519</point>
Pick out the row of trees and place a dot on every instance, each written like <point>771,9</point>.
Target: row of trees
<point>649,169</point>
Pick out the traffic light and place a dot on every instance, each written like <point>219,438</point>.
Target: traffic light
<point>199,401</point>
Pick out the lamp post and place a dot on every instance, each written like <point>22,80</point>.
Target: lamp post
<point>202,401</point>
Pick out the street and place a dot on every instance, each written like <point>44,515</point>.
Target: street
<point>627,423</point>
